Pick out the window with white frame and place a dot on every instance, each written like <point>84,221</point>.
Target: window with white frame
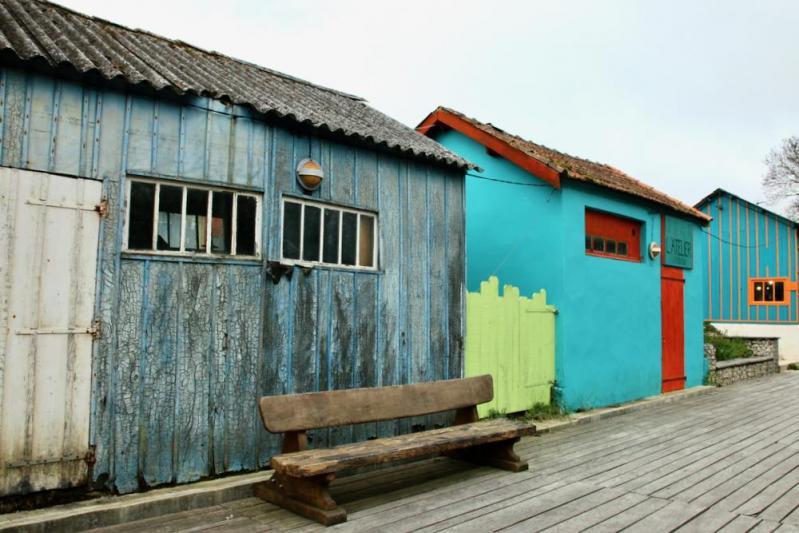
<point>175,219</point>
<point>328,234</point>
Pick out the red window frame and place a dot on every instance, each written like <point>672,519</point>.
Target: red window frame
<point>615,229</point>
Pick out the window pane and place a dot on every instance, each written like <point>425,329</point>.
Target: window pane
<point>367,242</point>
<point>621,248</point>
<point>769,287</point>
<point>779,291</point>
<point>245,225</point>
<point>140,225</point>
<point>599,244</point>
<point>221,215</point>
<point>610,246</point>
<point>170,207</point>
<point>330,251</point>
<point>312,229</point>
<point>758,291</point>
<point>587,242</point>
<point>291,230</point>
<point>348,235</point>
<point>196,219</point>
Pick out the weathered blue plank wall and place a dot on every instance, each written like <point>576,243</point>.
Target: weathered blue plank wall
<point>188,345</point>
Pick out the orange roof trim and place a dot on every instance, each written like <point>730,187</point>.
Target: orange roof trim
<point>550,165</point>
<point>531,165</point>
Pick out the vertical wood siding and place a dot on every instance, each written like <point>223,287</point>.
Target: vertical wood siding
<point>189,345</point>
<point>743,242</point>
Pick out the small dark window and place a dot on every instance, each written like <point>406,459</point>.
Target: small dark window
<point>330,246</point>
<point>221,225</point>
<point>588,242</point>
<point>610,246</point>
<point>291,230</point>
<point>170,207</point>
<point>196,220</point>
<point>140,222</point>
<point>312,230</point>
<point>769,291</point>
<point>779,291</point>
<point>758,291</point>
<point>366,240</point>
<point>245,225</point>
<point>621,248</point>
<point>349,228</point>
<point>599,244</point>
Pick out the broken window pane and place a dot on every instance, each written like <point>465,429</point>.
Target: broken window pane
<point>245,225</point>
<point>349,222</point>
<point>170,208</point>
<point>330,245</point>
<point>140,223</point>
<point>367,241</point>
<point>196,220</point>
<point>222,213</point>
<point>312,229</point>
<point>291,230</point>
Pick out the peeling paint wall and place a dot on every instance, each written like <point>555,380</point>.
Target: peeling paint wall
<point>189,345</point>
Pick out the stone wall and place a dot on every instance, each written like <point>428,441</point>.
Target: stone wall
<point>764,361</point>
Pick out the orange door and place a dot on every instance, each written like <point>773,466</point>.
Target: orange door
<point>672,316</point>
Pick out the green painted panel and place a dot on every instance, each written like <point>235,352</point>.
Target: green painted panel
<point>678,247</point>
<point>512,338</point>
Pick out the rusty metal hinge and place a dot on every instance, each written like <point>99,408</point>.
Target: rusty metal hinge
<point>95,330</point>
<point>102,208</point>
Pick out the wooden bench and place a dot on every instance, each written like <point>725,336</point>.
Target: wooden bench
<point>301,476</point>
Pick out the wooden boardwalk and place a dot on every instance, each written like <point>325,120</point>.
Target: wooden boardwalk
<point>724,461</point>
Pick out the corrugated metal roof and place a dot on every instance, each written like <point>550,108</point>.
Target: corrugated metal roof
<point>34,29</point>
<point>580,169</point>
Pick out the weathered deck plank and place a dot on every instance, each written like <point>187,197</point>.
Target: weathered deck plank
<point>727,461</point>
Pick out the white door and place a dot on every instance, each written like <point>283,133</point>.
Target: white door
<point>48,260</point>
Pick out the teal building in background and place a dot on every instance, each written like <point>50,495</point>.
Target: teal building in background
<point>629,321</point>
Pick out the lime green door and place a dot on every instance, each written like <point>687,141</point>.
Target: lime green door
<point>512,338</point>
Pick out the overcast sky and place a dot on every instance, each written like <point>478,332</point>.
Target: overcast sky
<point>684,95</point>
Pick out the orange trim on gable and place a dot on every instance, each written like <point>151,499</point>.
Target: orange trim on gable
<point>514,155</point>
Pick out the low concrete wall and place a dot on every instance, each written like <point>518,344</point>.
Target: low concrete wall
<point>765,361</point>
<point>788,334</point>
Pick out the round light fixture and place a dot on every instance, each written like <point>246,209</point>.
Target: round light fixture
<point>309,174</point>
<point>654,249</point>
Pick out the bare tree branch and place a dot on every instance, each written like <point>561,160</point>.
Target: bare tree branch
<point>782,178</point>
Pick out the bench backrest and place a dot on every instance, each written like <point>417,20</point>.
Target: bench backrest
<point>313,410</point>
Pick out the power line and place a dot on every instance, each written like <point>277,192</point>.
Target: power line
<point>507,181</point>
<point>729,242</point>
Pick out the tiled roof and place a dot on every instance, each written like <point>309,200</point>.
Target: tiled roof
<point>34,29</point>
<point>570,167</point>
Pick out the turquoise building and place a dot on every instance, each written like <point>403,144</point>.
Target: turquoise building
<point>630,318</point>
<point>751,271</point>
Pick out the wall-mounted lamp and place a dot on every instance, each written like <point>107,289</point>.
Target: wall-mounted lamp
<point>654,249</point>
<point>309,174</point>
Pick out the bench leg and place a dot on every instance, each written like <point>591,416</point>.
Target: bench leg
<point>496,454</point>
<point>308,497</point>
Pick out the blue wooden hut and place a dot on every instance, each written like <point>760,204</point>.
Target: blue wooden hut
<point>751,271</point>
<point>178,257</point>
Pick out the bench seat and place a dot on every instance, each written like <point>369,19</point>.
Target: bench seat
<point>302,476</point>
<point>315,462</point>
